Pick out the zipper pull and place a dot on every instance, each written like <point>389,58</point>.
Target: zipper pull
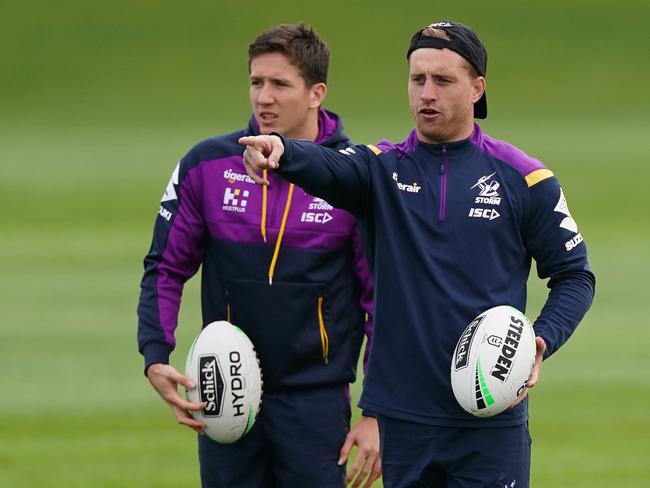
<point>444,160</point>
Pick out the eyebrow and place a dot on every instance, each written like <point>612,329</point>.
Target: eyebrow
<point>283,80</point>
<point>446,75</point>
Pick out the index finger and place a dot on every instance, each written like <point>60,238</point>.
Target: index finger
<point>183,404</point>
<point>256,142</point>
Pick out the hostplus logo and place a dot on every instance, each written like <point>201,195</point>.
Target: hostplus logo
<point>235,200</point>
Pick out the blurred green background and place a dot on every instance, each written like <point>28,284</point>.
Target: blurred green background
<point>99,100</point>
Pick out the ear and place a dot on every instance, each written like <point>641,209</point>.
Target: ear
<point>478,88</point>
<point>317,94</point>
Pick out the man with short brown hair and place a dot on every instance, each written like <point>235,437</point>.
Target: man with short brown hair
<point>300,261</point>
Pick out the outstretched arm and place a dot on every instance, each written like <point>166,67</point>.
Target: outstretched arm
<point>340,177</point>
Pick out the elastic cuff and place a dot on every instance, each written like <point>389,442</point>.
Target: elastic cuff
<point>286,142</point>
<point>548,351</point>
<point>156,352</point>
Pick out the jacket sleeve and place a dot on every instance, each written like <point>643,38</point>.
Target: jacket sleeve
<point>362,272</point>
<point>340,177</point>
<point>558,248</point>
<point>175,256</point>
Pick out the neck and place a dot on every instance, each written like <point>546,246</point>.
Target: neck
<point>308,131</point>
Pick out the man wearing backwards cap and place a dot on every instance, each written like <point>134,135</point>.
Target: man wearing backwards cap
<point>451,220</point>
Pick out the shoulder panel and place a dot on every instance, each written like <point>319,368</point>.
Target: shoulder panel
<point>526,165</point>
<point>538,175</point>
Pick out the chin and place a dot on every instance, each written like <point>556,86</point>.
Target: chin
<point>433,137</point>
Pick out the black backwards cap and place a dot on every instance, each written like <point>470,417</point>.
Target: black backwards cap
<point>463,41</point>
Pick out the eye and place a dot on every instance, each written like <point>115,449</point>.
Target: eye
<point>256,82</point>
<point>418,79</point>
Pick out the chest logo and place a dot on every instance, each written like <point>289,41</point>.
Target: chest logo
<point>488,191</point>
<point>231,176</point>
<point>412,188</point>
<point>484,213</point>
<point>316,217</point>
<point>235,200</point>
<point>319,204</point>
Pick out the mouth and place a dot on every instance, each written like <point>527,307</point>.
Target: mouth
<point>267,117</point>
<point>428,113</point>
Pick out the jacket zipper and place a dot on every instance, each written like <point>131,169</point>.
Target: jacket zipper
<point>324,338</point>
<point>444,168</point>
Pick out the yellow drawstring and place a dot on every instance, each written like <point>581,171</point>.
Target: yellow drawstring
<point>276,251</point>
<point>228,312</point>
<point>324,339</point>
<point>263,221</point>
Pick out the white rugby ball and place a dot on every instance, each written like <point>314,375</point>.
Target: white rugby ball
<point>223,364</point>
<point>492,361</point>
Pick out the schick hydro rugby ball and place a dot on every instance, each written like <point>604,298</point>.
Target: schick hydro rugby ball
<point>492,361</point>
<point>223,364</point>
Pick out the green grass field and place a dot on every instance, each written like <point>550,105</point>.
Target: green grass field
<point>98,104</point>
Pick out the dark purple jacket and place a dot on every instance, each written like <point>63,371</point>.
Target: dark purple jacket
<point>452,230</point>
<point>304,302</point>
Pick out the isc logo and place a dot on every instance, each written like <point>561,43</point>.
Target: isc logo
<point>316,217</point>
<point>485,213</point>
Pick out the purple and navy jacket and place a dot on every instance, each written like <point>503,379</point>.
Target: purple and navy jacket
<point>286,267</point>
<point>450,231</point>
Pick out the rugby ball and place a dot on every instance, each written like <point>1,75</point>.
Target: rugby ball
<point>493,361</point>
<point>223,364</point>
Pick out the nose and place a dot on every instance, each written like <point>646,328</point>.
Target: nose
<point>428,92</point>
<point>265,94</point>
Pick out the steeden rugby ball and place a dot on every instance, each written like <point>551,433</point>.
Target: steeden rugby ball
<point>223,364</point>
<point>492,361</point>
